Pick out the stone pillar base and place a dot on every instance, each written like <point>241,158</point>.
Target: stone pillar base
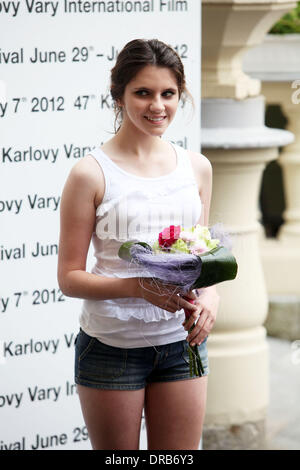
<point>246,436</point>
<point>283,320</point>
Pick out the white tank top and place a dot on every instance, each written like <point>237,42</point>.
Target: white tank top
<point>137,208</point>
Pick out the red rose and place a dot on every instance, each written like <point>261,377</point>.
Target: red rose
<point>169,235</point>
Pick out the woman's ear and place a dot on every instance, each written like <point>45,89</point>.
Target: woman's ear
<point>119,103</point>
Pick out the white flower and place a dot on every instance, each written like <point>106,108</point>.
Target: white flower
<point>187,236</point>
<point>199,247</point>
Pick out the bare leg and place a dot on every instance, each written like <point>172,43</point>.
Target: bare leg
<point>174,413</point>
<point>112,417</point>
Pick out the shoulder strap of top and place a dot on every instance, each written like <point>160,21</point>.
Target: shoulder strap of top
<point>100,156</point>
<point>107,170</point>
<point>184,161</point>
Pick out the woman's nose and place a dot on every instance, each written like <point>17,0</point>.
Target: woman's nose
<point>156,105</point>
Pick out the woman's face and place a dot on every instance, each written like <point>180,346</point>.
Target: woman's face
<point>150,100</point>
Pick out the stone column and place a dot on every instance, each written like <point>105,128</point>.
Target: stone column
<point>286,279</point>
<point>277,63</point>
<point>238,145</point>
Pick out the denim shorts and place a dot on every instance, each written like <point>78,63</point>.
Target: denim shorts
<point>98,365</point>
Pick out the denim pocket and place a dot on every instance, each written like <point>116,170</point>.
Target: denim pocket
<point>185,354</point>
<point>99,362</point>
<point>83,343</point>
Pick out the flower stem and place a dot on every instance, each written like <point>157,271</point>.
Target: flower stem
<point>196,367</point>
<point>191,360</point>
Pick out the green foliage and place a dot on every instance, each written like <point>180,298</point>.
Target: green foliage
<point>289,23</point>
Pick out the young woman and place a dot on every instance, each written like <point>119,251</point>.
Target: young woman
<point>131,351</point>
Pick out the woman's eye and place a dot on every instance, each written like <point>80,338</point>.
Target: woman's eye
<point>142,92</point>
<point>168,93</point>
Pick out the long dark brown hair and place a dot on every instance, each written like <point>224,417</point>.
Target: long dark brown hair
<point>133,57</point>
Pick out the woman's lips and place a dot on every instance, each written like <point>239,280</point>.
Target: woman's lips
<point>155,120</point>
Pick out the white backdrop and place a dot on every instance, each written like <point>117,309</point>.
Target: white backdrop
<point>55,61</point>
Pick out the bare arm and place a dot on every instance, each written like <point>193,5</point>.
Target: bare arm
<point>208,301</point>
<point>83,187</point>
<point>204,175</point>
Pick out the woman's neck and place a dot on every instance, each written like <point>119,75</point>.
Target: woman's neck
<point>135,143</point>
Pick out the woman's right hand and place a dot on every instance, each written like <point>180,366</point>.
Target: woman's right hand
<point>164,296</point>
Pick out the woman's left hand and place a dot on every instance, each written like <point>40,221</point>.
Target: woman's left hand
<point>206,313</point>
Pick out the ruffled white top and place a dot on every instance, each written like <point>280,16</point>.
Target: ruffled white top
<point>137,208</point>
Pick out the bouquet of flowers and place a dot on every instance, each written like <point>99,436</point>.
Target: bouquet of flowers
<point>187,259</point>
